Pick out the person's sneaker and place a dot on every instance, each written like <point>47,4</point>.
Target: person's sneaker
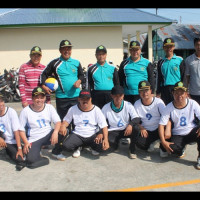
<point>95,153</point>
<point>163,154</point>
<point>132,155</point>
<point>125,141</point>
<point>198,163</point>
<point>60,157</point>
<point>77,153</point>
<point>183,153</point>
<point>152,145</point>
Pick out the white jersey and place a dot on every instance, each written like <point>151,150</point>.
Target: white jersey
<point>119,120</point>
<point>38,123</point>
<point>86,123</point>
<point>150,115</point>
<point>182,119</point>
<point>9,123</point>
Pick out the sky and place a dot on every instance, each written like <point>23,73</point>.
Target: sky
<point>182,15</point>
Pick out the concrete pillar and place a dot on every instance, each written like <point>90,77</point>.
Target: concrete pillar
<point>150,43</point>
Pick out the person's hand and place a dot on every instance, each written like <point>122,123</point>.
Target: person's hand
<point>99,138</point>
<point>198,132</point>
<point>166,145</point>
<point>105,145</point>
<point>25,104</point>
<point>144,133</point>
<point>2,143</point>
<point>63,130</point>
<point>46,89</point>
<point>128,130</point>
<point>26,148</point>
<point>54,138</point>
<point>77,83</point>
<point>19,153</point>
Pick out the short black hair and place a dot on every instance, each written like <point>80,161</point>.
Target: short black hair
<point>196,40</point>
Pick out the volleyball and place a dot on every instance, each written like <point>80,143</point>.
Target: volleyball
<point>52,84</point>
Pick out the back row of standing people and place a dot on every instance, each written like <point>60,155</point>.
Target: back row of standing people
<point>102,76</point>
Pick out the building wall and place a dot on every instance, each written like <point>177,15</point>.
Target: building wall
<point>15,44</point>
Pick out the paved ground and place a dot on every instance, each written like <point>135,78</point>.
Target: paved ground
<point>109,172</point>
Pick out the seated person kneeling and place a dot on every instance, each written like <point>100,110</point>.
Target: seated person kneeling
<point>182,112</point>
<point>87,119</point>
<point>37,118</point>
<point>122,120</point>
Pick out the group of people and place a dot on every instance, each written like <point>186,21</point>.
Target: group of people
<point>114,104</point>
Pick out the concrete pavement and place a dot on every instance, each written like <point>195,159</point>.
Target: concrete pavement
<point>109,172</point>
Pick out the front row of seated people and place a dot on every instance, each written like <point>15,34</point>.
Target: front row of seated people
<point>145,122</point>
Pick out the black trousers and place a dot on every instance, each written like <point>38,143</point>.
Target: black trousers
<point>181,140</point>
<point>196,98</point>
<point>144,143</point>
<point>64,104</point>
<point>74,141</point>
<point>101,97</point>
<point>115,136</point>
<point>166,94</point>
<point>131,98</point>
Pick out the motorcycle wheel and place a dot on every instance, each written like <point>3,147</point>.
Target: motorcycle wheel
<point>8,97</point>
<point>16,97</point>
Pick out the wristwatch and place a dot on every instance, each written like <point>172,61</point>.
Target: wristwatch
<point>19,147</point>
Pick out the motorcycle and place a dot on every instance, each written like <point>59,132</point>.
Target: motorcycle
<point>11,78</point>
<point>5,90</point>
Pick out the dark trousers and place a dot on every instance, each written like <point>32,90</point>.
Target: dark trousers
<point>166,94</point>
<point>115,136</point>
<point>33,158</point>
<point>101,97</point>
<point>131,98</point>
<point>64,104</point>
<point>144,143</point>
<point>74,141</point>
<point>181,140</point>
<point>196,98</point>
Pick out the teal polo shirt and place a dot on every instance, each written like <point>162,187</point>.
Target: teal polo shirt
<point>171,70</point>
<point>103,77</point>
<point>135,72</point>
<point>68,74</point>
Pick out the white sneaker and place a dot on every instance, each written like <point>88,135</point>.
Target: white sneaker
<point>95,153</point>
<point>198,163</point>
<point>152,145</point>
<point>163,154</point>
<point>60,157</point>
<point>77,153</point>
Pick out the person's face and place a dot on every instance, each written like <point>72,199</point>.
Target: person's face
<point>66,52</point>
<point>169,50</point>
<point>2,106</point>
<point>179,96</point>
<point>101,57</point>
<point>35,59</point>
<point>85,102</point>
<point>117,98</point>
<point>39,100</point>
<point>135,53</point>
<point>197,47</point>
<point>145,94</point>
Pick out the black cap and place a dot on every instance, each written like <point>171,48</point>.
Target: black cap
<point>180,85</point>
<point>65,43</point>
<point>117,89</point>
<point>144,85</point>
<point>38,90</point>
<point>134,44</point>
<point>35,50</point>
<point>85,93</point>
<point>101,48</point>
<point>168,41</point>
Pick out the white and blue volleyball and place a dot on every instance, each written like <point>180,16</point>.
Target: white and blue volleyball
<point>51,83</point>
